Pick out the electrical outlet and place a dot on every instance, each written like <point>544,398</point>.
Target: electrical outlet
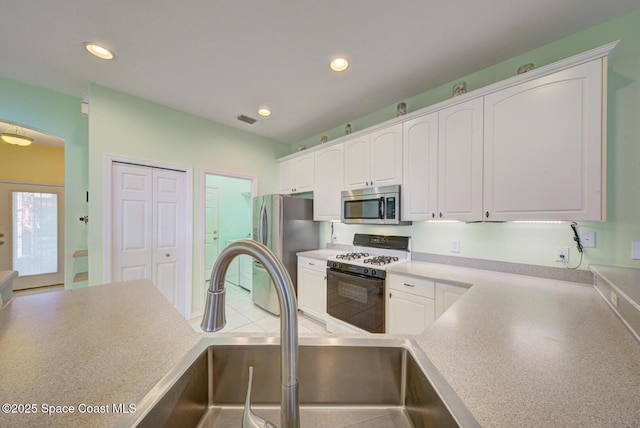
<point>455,246</point>
<point>614,299</point>
<point>588,239</point>
<point>562,254</point>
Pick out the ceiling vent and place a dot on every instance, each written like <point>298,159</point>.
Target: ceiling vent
<point>247,119</point>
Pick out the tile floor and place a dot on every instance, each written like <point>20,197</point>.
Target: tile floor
<point>246,317</point>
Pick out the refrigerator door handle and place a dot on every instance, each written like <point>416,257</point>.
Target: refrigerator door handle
<point>265,224</point>
<point>260,238</point>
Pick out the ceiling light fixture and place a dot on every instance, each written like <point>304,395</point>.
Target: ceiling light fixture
<point>263,111</point>
<point>339,64</point>
<point>15,139</point>
<point>99,51</point>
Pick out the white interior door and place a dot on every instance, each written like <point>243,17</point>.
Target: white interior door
<point>211,228</point>
<point>149,232</point>
<point>32,233</point>
<point>132,222</point>
<point>169,243</point>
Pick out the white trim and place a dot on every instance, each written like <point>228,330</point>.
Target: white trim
<point>35,183</point>
<point>107,220</point>
<point>203,186</point>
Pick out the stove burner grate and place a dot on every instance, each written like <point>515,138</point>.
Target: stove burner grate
<point>352,256</point>
<point>381,260</point>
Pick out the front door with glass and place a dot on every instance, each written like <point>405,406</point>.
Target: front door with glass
<point>31,233</point>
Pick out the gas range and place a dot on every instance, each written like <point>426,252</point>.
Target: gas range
<point>372,255</point>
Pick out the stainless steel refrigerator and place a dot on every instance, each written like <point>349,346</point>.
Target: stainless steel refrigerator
<point>285,225</point>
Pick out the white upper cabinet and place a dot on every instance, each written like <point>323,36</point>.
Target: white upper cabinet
<point>386,156</point>
<point>329,181</point>
<point>543,143</point>
<point>420,172</point>
<point>460,161</point>
<point>296,175</point>
<point>356,160</point>
<point>374,159</point>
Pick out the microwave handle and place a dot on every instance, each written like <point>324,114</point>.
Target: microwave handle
<point>381,207</point>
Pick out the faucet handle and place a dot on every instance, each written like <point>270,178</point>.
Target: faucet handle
<point>250,419</point>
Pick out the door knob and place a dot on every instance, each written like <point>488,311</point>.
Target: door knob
<point>168,255</point>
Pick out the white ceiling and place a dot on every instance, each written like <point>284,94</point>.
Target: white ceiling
<point>218,59</point>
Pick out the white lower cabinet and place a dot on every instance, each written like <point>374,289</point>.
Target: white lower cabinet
<point>312,287</point>
<point>410,304</point>
<point>447,295</point>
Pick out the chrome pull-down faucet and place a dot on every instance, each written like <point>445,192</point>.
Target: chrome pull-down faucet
<point>214,318</point>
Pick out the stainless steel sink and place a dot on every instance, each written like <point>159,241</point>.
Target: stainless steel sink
<point>343,383</point>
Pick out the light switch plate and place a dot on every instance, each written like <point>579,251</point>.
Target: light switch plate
<point>635,250</point>
<point>455,246</point>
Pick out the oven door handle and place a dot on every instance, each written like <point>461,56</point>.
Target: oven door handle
<point>381,207</point>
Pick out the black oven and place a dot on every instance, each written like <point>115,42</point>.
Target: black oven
<point>356,299</point>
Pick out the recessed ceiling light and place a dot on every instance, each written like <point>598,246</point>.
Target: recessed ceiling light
<point>339,64</point>
<point>99,51</point>
<point>263,111</point>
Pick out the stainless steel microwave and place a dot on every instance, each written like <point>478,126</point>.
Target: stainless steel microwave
<point>372,205</point>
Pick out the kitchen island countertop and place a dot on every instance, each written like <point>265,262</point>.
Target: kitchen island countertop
<point>524,351</point>
<point>88,349</point>
<point>519,351</point>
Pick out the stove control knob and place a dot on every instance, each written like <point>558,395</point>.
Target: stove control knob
<point>339,265</point>
<point>366,270</point>
<point>373,272</point>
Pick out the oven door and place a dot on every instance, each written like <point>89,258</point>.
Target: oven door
<point>357,300</point>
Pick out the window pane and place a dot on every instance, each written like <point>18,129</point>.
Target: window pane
<point>35,233</point>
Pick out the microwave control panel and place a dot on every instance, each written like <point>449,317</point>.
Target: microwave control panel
<point>390,208</point>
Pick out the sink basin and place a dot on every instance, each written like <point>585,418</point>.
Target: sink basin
<point>342,382</point>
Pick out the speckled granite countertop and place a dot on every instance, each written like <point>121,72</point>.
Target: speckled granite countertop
<point>532,352</point>
<point>94,346</point>
<point>519,351</point>
<point>322,254</point>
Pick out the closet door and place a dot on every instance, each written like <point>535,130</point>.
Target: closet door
<point>168,238</point>
<point>149,237</point>
<point>132,253</point>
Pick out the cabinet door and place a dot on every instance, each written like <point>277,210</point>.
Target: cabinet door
<point>408,313</point>
<point>420,168</point>
<point>543,145</point>
<point>304,173</point>
<point>328,183</point>
<point>460,161</point>
<point>357,163</point>
<point>386,156</point>
<point>447,295</point>
<point>312,293</point>
<point>286,176</point>
<point>296,175</point>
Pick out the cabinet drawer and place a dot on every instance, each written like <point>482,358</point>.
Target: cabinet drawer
<point>411,284</point>
<point>311,263</point>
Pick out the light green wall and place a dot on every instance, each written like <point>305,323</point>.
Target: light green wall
<point>128,126</point>
<point>526,243</point>
<point>58,115</point>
